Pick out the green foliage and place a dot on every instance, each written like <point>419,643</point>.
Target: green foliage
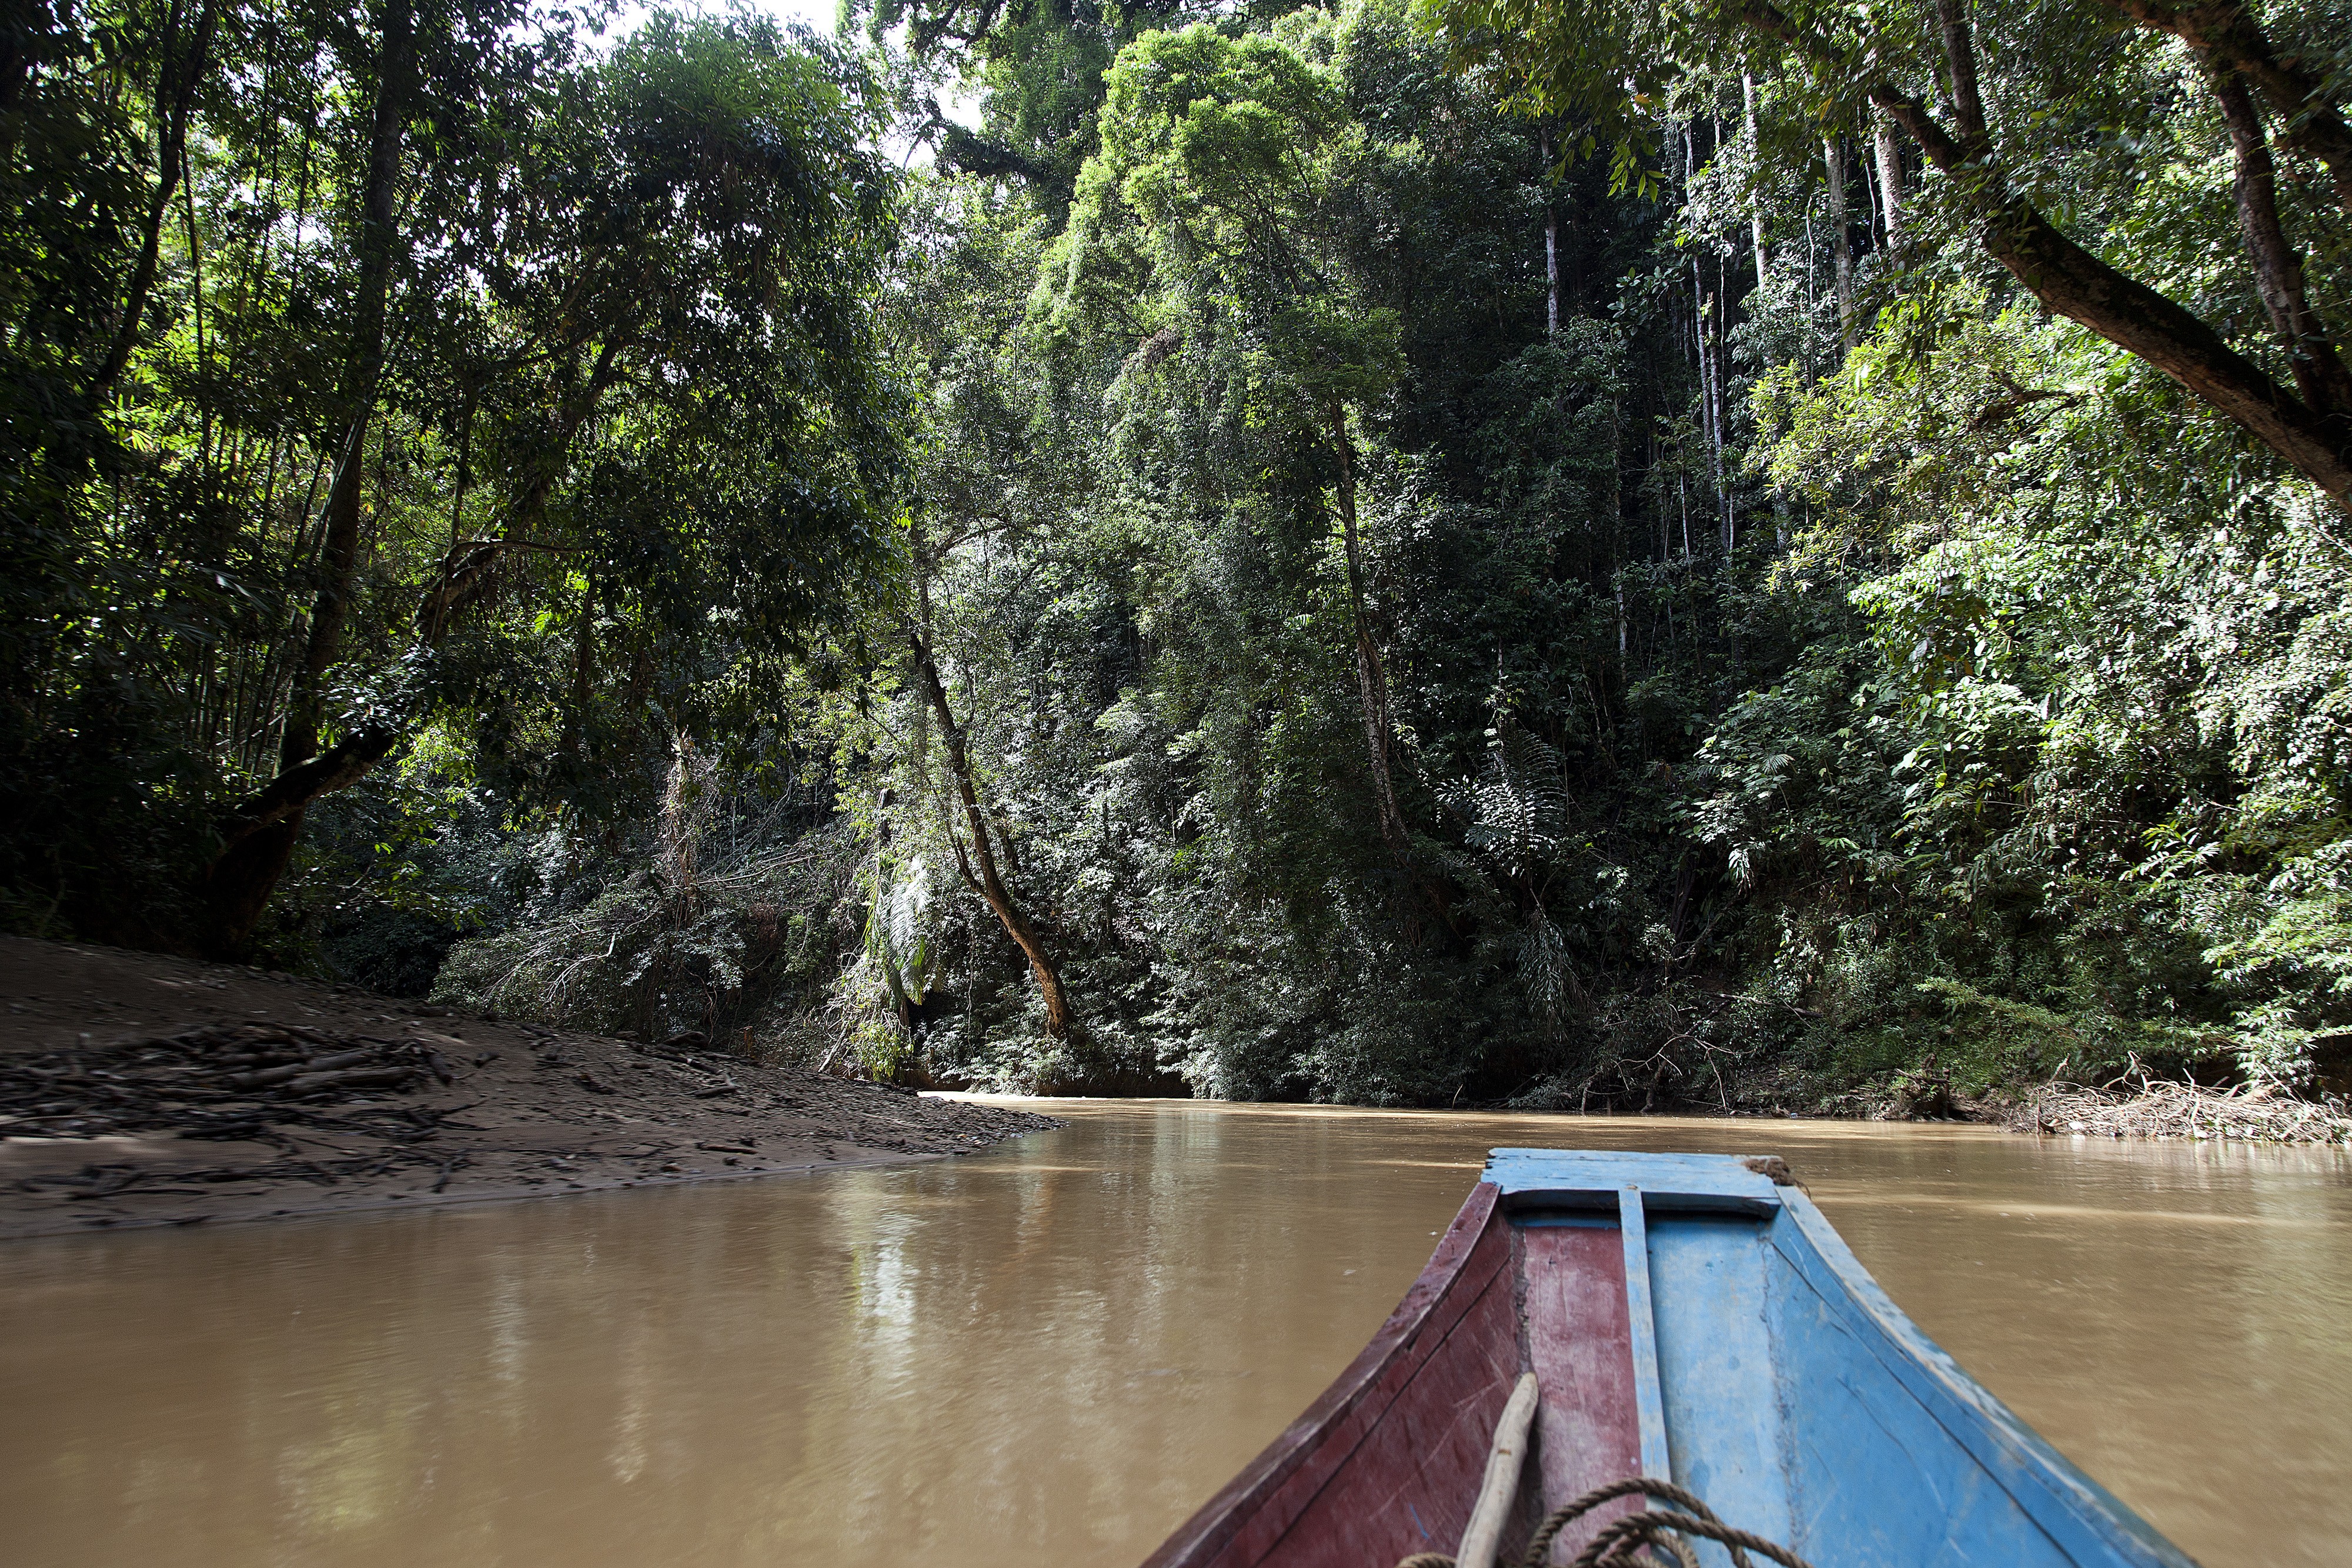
<point>1794,727</point>
<point>1420,613</point>
<point>627,439</point>
<point>728,921</point>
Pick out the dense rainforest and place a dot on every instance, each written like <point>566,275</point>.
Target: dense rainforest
<point>1558,552</point>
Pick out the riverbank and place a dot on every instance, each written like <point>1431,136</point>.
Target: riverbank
<point>139,1090</point>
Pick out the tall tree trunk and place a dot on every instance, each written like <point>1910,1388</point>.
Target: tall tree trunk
<point>1706,313</point>
<point>584,680</point>
<point>1372,678</point>
<point>979,868</point>
<point>1719,321</point>
<point>1890,180</point>
<point>363,369</point>
<point>261,834</point>
<point>1840,248</point>
<point>1756,165</point>
<point>178,74</point>
<point>2319,373</point>
<point>260,841</point>
<point>196,317</point>
<point>1552,237</point>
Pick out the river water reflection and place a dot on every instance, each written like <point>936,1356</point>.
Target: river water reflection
<point>1049,1354</point>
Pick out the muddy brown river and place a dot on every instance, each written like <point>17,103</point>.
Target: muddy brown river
<point>1047,1355</point>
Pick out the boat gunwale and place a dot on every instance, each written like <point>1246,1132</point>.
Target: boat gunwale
<point>2061,1498</point>
<point>1217,1521</point>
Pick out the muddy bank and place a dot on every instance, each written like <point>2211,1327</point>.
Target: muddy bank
<point>141,1090</point>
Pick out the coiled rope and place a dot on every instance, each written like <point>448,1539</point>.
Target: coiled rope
<point>1621,1542</point>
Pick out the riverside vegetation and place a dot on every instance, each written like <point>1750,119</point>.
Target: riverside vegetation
<point>1549,551</point>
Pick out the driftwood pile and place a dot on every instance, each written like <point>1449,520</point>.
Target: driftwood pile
<point>224,1081</point>
<point>327,1115</point>
<point>2158,1108</point>
<point>250,1083</point>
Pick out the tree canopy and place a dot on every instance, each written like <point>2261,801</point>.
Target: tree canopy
<point>420,377</point>
<point>1528,551</point>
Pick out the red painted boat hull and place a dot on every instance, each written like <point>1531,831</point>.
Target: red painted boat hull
<point>1388,1462</point>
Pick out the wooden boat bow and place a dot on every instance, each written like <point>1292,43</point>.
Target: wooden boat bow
<point>1690,1318</point>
